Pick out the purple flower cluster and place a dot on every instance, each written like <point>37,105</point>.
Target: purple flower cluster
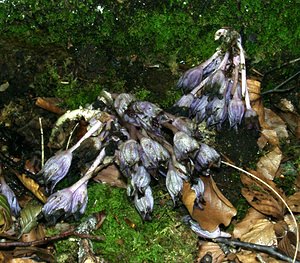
<point>216,90</point>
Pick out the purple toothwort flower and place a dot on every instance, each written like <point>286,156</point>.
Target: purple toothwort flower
<point>144,203</point>
<point>79,200</point>
<point>73,199</point>
<point>205,157</point>
<point>58,204</point>
<point>57,167</point>
<point>10,196</point>
<point>190,79</point>
<point>140,179</point>
<point>184,145</point>
<point>174,182</point>
<point>236,108</point>
<point>198,107</point>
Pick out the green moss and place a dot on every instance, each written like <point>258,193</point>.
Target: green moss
<point>164,239</point>
<point>66,251</point>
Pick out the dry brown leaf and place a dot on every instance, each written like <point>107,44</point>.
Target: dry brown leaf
<point>250,219</point>
<point>262,198</point>
<point>293,122</point>
<point>252,257</point>
<point>293,202</point>
<point>269,163</point>
<point>217,209</point>
<point>267,137</point>
<point>262,233</point>
<point>287,245</point>
<point>32,186</point>
<point>256,101</point>
<point>276,123</point>
<point>112,176</point>
<point>50,104</point>
<point>213,249</point>
<point>35,234</point>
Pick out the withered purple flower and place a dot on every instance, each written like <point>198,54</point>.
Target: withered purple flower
<point>190,79</point>
<point>205,157</point>
<point>144,203</point>
<point>10,196</point>
<point>185,125</point>
<point>122,102</point>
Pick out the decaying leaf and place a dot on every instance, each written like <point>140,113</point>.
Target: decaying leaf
<point>250,219</point>
<point>268,136</point>
<point>287,245</point>
<point>110,175</point>
<point>245,256</point>
<point>50,104</point>
<point>293,202</point>
<point>32,186</point>
<point>28,217</point>
<point>217,209</point>
<point>262,198</point>
<point>262,233</point>
<point>276,123</point>
<point>37,233</point>
<point>269,163</point>
<point>5,214</point>
<point>256,101</point>
<point>210,249</point>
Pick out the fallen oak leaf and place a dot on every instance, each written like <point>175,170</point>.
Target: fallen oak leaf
<point>275,123</point>
<point>216,210</point>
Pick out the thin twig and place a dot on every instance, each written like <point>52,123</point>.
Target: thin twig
<point>278,195</point>
<point>47,240</point>
<point>272,251</point>
<point>42,142</point>
<point>70,136</point>
<point>277,88</point>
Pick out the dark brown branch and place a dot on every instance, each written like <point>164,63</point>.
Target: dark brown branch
<point>277,88</point>
<point>47,240</point>
<point>272,251</point>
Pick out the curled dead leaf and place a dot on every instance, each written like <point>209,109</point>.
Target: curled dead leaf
<point>269,163</point>
<point>217,209</point>
<point>287,245</point>
<point>262,198</point>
